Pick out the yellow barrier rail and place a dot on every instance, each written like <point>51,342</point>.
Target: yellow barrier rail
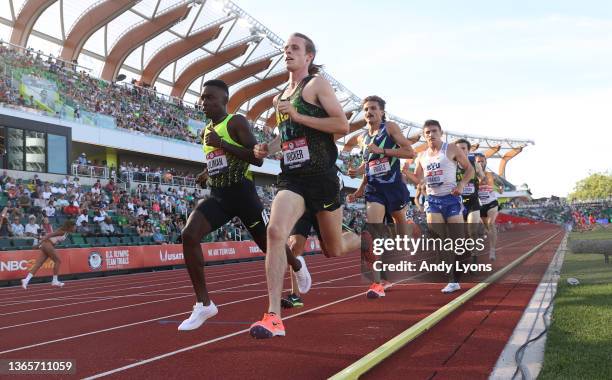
<point>369,361</point>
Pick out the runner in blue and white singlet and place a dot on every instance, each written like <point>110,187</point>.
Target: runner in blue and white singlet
<point>382,146</point>
<point>437,166</point>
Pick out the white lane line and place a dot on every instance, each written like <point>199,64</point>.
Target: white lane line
<point>138,323</point>
<point>161,282</point>
<point>189,348</point>
<point>205,343</point>
<point>149,292</point>
<point>142,303</point>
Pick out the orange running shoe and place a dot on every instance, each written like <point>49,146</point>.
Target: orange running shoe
<point>376,291</point>
<point>271,325</point>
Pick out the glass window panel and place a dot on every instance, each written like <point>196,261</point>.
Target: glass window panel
<point>15,149</point>
<point>58,160</point>
<point>35,149</point>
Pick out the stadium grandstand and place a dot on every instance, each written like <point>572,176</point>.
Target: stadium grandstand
<point>101,159</point>
<point>98,103</point>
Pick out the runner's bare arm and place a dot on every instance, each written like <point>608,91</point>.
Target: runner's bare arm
<point>455,154</point>
<point>53,234</point>
<point>411,177</point>
<point>418,170</point>
<point>355,172</point>
<point>352,197</point>
<point>479,172</point>
<point>239,127</point>
<point>335,123</point>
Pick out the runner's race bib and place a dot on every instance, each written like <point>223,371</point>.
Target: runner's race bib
<point>484,193</point>
<point>295,153</point>
<point>468,189</point>
<point>216,162</point>
<point>434,178</point>
<point>379,167</point>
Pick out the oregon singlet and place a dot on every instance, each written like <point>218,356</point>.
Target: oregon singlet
<point>224,169</point>
<point>471,188</point>
<point>306,151</point>
<point>379,168</point>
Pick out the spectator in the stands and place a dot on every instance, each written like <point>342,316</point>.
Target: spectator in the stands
<point>98,217</point>
<point>96,188</point>
<point>24,201</point>
<point>140,227</point>
<point>148,229</point>
<point>71,210</point>
<point>39,202</point>
<point>142,211</point>
<point>82,217</point>
<point>110,186</point>
<point>106,226</point>
<point>32,229</point>
<point>61,202</point>
<point>37,180</point>
<point>158,237</point>
<point>47,192</point>
<point>46,226</point>
<point>49,210</point>
<point>17,228</point>
<point>84,229</point>
<point>5,227</point>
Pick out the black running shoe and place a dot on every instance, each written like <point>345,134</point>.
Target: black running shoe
<point>296,301</point>
<point>286,303</point>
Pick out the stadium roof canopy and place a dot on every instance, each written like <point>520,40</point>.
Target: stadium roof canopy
<point>175,45</point>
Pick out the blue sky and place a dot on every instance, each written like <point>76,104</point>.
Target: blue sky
<point>528,69</point>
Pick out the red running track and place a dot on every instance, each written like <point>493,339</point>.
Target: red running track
<point>126,326</point>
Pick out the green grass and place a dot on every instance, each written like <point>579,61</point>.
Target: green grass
<point>579,343</point>
<point>598,234</point>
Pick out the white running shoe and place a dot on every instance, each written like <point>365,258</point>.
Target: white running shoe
<point>451,287</point>
<point>303,277</point>
<point>24,284</point>
<point>57,283</point>
<point>492,254</point>
<point>198,316</point>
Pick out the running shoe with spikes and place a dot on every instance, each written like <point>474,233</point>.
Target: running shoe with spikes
<point>296,301</point>
<point>286,303</point>
<point>376,291</point>
<point>57,283</point>
<point>270,325</point>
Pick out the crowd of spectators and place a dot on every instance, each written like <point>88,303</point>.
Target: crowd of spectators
<point>134,108</point>
<point>558,210</point>
<point>31,208</point>
<point>99,210</point>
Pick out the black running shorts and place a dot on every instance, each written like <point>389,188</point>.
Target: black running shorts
<point>485,209</point>
<point>320,192</point>
<point>239,200</point>
<point>307,222</point>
